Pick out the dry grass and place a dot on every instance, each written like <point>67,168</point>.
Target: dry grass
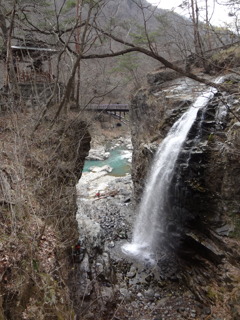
<point>38,173</point>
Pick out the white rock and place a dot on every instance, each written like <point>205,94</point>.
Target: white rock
<point>111,244</point>
<point>101,169</point>
<point>98,154</point>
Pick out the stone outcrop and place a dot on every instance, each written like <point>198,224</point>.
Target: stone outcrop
<point>104,220</point>
<point>208,164</point>
<point>203,221</point>
<point>153,112</point>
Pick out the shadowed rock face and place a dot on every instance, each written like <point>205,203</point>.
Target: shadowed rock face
<point>204,194</point>
<point>45,199</point>
<point>190,198</point>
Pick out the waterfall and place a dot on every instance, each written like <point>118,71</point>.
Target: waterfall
<point>149,227</point>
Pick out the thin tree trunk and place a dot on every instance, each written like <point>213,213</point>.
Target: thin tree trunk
<point>11,77</point>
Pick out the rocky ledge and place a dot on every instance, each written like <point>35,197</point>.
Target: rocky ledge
<point>107,282</point>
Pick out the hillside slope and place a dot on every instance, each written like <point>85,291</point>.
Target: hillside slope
<point>38,173</point>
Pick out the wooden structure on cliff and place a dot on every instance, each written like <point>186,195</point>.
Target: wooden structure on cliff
<point>33,64</point>
<point>30,71</point>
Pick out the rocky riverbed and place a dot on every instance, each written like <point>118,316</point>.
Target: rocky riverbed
<point>106,281</point>
<point>110,284</point>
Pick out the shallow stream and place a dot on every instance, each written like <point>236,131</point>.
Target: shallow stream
<point>118,160</point>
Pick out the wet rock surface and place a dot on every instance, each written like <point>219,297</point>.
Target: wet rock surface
<point>204,194</point>
<point>116,286</point>
<point>112,285</point>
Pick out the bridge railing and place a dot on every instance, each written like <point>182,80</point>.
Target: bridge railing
<point>108,107</point>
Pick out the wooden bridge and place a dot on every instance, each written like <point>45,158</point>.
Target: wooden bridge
<point>116,110</point>
<point>108,107</point>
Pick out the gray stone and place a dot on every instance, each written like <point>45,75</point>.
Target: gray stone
<point>224,230</point>
<point>162,302</point>
<point>236,125</point>
<point>149,294</point>
<point>125,293</point>
<point>111,244</point>
<point>132,272</point>
<point>162,76</point>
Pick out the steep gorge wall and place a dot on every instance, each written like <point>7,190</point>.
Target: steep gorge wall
<point>38,173</point>
<point>152,114</point>
<point>203,216</point>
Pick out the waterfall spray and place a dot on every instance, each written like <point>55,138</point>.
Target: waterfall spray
<point>149,227</point>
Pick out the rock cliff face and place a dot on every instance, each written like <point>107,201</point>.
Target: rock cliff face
<point>203,218</point>
<point>153,112</point>
<point>38,173</point>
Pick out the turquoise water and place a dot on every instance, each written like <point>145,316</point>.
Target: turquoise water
<point>120,165</point>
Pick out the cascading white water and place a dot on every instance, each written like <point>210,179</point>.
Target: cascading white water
<point>150,221</point>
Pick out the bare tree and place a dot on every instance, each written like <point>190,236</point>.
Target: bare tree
<point>85,32</point>
<point>233,7</point>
